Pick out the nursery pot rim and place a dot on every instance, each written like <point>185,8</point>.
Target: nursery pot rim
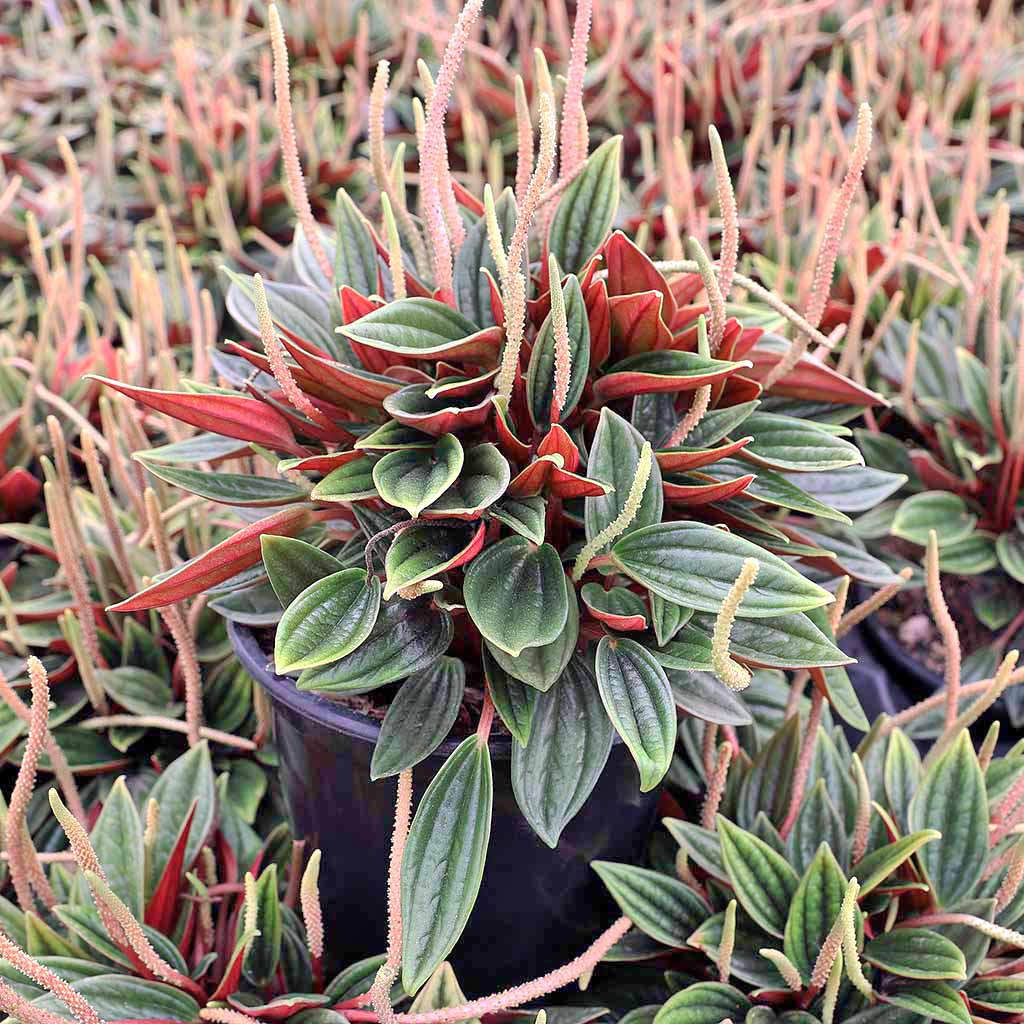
<point>325,712</point>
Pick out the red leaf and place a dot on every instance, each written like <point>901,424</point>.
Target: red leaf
<point>239,416</point>
<point>683,461</point>
<point>626,383</point>
<point>509,444</point>
<point>636,324</point>
<point>19,491</point>
<point>164,904</point>
<point>812,380</point>
<point>630,271</point>
<point>563,484</point>
<point>704,494</point>
<point>599,319</point>
<point>324,463</point>
<point>557,441</point>
<point>220,563</point>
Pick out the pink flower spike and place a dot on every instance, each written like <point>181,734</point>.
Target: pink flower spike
<point>434,151</point>
<point>573,133</point>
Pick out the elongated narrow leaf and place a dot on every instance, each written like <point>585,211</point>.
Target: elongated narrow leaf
<point>879,864</point>
<point>763,882</point>
<point>540,377</point>
<point>784,442</point>
<point>516,594</point>
<point>638,699</point>
<point>667,618</point>
<point>412,478</point>
<point>1004,995</point>
<point>351,482</point>
<point>117,840</point>
<point>705,696</point>
<point>696,565</point>
<point>238,416</point>
<point>570,739</point>
<point>444,860</point>
<point>230,488</point>
<point>220,563</point>
<point>355,255</point>
<point>118,997</point>
<point>614,456</point>
<point>328,620</point>
<point>952,800</point>
<point>659,905</point>
<point>587,208</point>
<point>419,717</point>
<point>472,289</point>
<point>814,910</point>
<point>264,952</point>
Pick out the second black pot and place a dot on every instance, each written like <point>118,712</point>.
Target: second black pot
<point>538,907</point>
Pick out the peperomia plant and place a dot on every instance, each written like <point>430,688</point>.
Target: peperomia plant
<point>542,468</point>
<point>823,884</point>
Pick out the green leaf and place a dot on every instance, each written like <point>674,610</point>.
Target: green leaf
<point>876,866</point>
<point>952,800</point>
<point>472,290</point>
<point>413,478</point>
<point>614,456</point>
<point>1004,995</point>
<point>854,489</point>
<point>696,565</point>
<point>701,844</point>
<point>570,739</point>
<point>705,696</point>
<point>293,565</point>
<point>639,702</point>
<point>779,641</point>
<point>440,992</point>
<point>482,481</point>
<point>587,208</point>
<point>541,667</point>
<point>783,442</point>
<point>407,636</point>
<point>1010,551</point>
<point>329,619</point>
<point>658,904</point>
<point>422,551</point>
<point>932,999</point>
<point>229,488</point>
<point>901,775</point>
<point>525,516</point>
<point>202,447</point>
<point>513,699</point>
<point>814,910</point>
<point>264,951</point>
<point>118,997</point>
<point>351,482</point>
<point>540,377</point>
<point>419,717</point>
<point>763,882</point>
<point>185,781</point>
<point>355,255</point>
<point>444,860</point>
<point>419,328</point>
<point>942,511</point>
<point>708,1002</point>
<point>667,618</point>
<point>117,839</point>
<point>817,822</point>
<point>516,594</point>
<point>139,691</point>
<point>916,953</point>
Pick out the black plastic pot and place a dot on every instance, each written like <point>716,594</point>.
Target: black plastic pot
<point>537,907</point>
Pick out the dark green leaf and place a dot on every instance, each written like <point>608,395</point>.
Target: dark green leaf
<point>117,840</point>
<point>657,904</point>
<point>942,511</point>
<point>916,953</point>
<point>419,717</point>
<point>513,700</point>
<point>229,488</point>
<point>413,478</point>
<point>570,739</point>
<point>516,594</point>
<point>540,377</point>
<point>328,620</point>
<point>444,860</point>
<point>705,696</point>
<point>933,999</point>
<point>639,702</point>
<point>523,515</point>
<point>708,1002</point>
<point>814,911</point>
<point>264,952</point>
<point>293,565</point>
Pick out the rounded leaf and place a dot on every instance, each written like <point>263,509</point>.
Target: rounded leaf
<point>412,478</point>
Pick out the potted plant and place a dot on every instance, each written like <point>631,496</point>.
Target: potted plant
<point>952,368</point>
<point>533,492</point>
<point>820,884</point>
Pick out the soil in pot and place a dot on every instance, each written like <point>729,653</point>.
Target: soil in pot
<point>537,908</point>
